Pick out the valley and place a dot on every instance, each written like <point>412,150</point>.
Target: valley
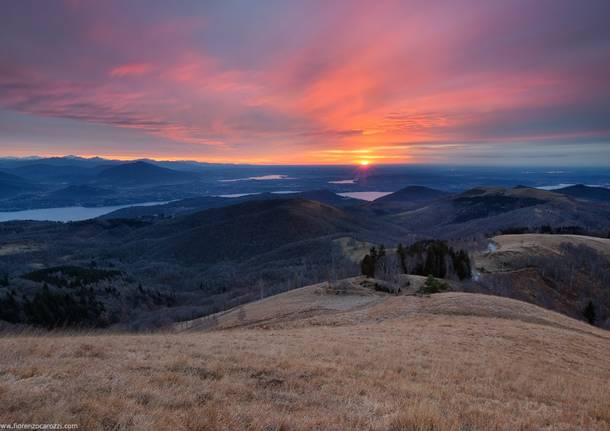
<point>201,255</point>
<point>420,309</point>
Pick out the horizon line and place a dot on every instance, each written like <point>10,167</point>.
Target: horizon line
<point>34,157</point>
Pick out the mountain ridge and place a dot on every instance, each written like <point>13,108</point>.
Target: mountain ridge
<point>142,173</point>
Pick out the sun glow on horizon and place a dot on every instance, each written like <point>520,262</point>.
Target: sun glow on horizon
<point>364,162</point>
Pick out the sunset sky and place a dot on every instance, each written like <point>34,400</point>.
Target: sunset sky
<point>463,82</point>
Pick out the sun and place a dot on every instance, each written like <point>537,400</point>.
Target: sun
<point>364,162</point>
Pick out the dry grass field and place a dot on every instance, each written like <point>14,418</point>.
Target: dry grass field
<point>353,360</point>
<point>559,272</point>
<point>507,246</point>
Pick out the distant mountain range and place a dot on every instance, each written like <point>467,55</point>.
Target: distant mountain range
<point>426,211</point>
<point>153,181</point>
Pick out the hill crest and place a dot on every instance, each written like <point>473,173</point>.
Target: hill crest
<point>142,173</point>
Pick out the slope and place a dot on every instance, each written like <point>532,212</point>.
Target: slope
<point>447,362</point>
<point>243,230</point>
<point>488,210</point>
<point>405,199</point>
<point>580,191</point>
<point>12,185</point>
<point>560,272</point>
<point>192,205</point>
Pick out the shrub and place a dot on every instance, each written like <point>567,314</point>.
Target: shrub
<point>367,266</point>
<point>589,313</point>
<point>10,310</point>
<point>369,263</point>
<point>432,285</point>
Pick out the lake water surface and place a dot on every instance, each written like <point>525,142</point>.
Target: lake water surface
<point>365,196</point>
<point>67,214</point>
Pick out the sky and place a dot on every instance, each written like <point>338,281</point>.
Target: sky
<point>308,82</point>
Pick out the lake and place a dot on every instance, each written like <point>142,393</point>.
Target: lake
<point>67,214</point>
<point>365,196</point>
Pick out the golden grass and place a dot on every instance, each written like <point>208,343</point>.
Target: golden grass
<point>534,245</point>
<point>401,364</point>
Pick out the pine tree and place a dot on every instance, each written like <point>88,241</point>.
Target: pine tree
<point>367,266</point>
<point>589,313</point>
<point>373,253</point>
<point>402,256</point>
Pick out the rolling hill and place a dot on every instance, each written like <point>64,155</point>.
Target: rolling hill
<point>405,199</point>
<point>489,210</point>
<point>322,358</point>
<point>12,185</point>
<point>210,260</point>
<point>78,193</point>
<point>142,174</point>
<point>50,173</point>
<point>197,204</point>
<point>412,194</point>
<point>243,230</point>
<point>559,272</point>
<point>580,191</point>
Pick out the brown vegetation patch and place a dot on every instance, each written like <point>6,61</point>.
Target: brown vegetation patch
<point>448,362</point>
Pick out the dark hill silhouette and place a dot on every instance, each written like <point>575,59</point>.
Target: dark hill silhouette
<point>479,203</point>
<point>12,185</point>
<point>242,231</point>
<point>41,172</point>
<point>485,210</point>
<point>405,199</point>
<point>142,173</point>
<point>327,197</point>
<point>191,205</point>
<point>581,191</point>
<point>412,194</point>
<point>78,192</point>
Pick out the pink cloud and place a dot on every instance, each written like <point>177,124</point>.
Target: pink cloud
<point>290,82</point>
<point>133,69</point>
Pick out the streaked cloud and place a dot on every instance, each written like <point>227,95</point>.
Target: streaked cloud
<point>399,81</point>
<point>134,69</point>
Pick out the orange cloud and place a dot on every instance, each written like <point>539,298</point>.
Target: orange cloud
<point>292,85</point>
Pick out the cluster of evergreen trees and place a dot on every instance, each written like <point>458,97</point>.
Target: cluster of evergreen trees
<point>370,262</point>
<point>53,309</point>
<point>589,313</point>
<point>71,276</point>
<point>421,258</point>
<point>431,258</point>
<point>67,297</point>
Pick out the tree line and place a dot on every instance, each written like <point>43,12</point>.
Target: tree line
<point>550,230</point>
